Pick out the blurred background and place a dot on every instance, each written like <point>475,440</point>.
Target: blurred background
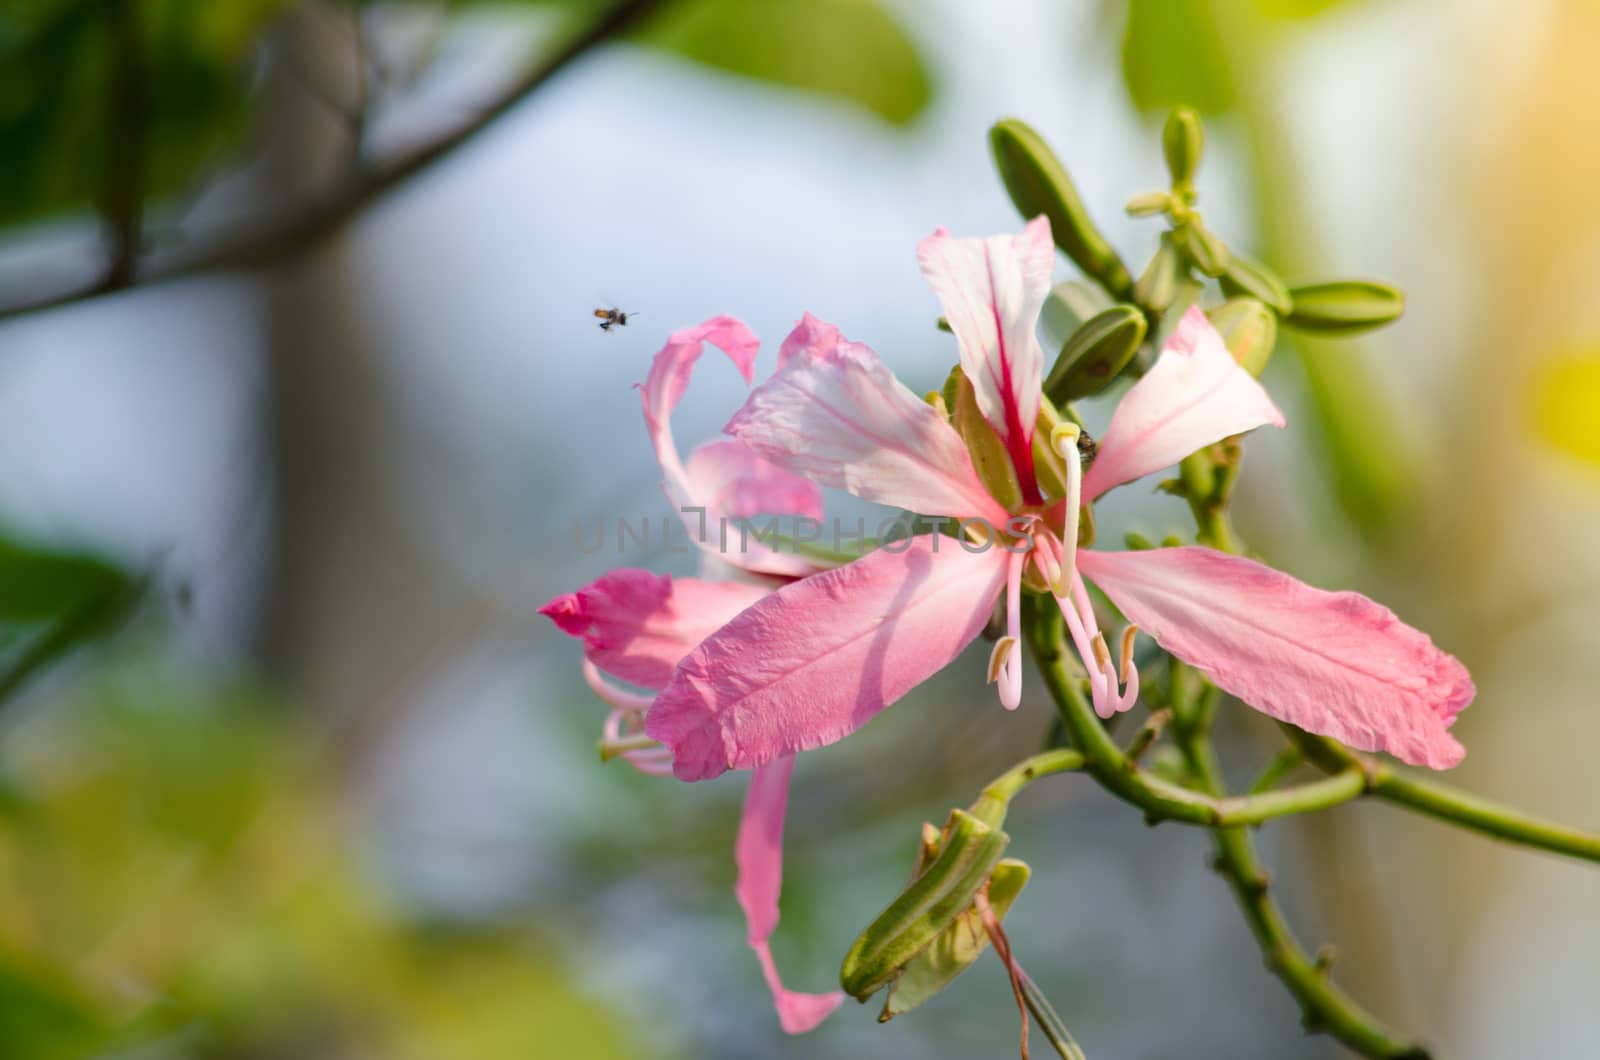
<point>301,397</point>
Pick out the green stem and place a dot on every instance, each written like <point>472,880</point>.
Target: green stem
<point>1160,799</point>
<point>1323,1006</point>
<point>1025,772</point>
<point>1447,803</point>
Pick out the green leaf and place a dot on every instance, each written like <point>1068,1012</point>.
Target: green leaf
<point>954,951</point>
<point>44,1019</point>
<point>850,49</point>
<point>51,602</point>
<point>1345,307</point>
<point>57,89</point>
<point>1173,53</point>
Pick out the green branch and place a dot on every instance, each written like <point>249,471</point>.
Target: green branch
<point>1323,1006</point>
<point>1428,796</point>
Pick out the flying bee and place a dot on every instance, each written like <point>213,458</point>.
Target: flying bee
<point>1087,448</point>
<point>612,318</point>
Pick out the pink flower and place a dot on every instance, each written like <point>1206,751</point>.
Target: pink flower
<point>815,660</point>
<point>636,626</point>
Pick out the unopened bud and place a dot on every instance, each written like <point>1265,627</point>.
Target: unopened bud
<point>1203,247</point>
<point>1038,184</point>
<point>1157,285</point>
<point>1344,307</point>
<point>1071,303</point>
<point>1244,276</point>
<point>1094,355</point>
<point>1182,141</point>
<point>1249,330</point>
<point>1149,204</point>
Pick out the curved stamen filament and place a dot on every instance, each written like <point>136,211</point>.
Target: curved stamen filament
<point>621,735</point>
<point>1005,664</point>
<point>1064,440</point>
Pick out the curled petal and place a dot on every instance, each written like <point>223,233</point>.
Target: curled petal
<point>1195,395</point>
<point>731,480</point>
<point>662,390</point>
<point>760,856</point>
<point>991,291</point>
<point>1336,664</point>
<point>637,625</point>
<point>815,660</point>
<point>835,414</point>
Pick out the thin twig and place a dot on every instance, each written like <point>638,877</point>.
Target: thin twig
<point>270,239</point>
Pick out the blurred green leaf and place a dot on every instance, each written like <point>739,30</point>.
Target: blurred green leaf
<point>851,49</point>
<point>56,85</point>
<point>1173,53</point>
<point>42,1018</point>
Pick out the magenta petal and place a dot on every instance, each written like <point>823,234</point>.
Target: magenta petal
<point>814,661</point>
<point>760,857</point>
<point>662,390</point>
<point>1196,394</point>
<point>637,625</point>
<point>730,479</point>
<point>835,414</point>
<point>991,291</point>
<point>1336,664</point>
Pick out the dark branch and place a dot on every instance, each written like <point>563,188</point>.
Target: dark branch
<point>268,240</point>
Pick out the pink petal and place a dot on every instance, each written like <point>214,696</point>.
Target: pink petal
<point>1195,395</point>
<point>814,661</point>
<point>637,625</point>
<point>1336,664</point>
<point>662,390</point>
<point>729,478</point>
<point>991,291</point>
<point>760,857</point>
<point>835,414</point>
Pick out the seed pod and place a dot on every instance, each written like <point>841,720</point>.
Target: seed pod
<point>1182,140</point>
<point>967,856</point>
<point>960,944</point>
<point>1158,284</point>
<point>1095,353</point>
<point>1038,184</point>
<point>1249,330</point>
<point>1344,307</point>
<point>1245,276</point>
<point>1203,247</point>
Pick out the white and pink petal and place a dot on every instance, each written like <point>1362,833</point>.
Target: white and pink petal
<point>1194,395</point>
<point>835,414</point>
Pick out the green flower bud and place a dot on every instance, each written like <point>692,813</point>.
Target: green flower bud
<point>1158,284</point>
<point>1344,307</point>
<point>1149,204</point>
<point>1249,330</point>
<point>1203,247</point>
<point>1246,277</point>
<point>954,950</point>
<point>1071,302</point>
<point>989,456</point>
<point>1094,355</point>
<point>1038,184</point>
<point>967,855</point>
<point>1182,141</point>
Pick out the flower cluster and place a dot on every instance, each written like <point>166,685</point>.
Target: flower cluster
<point>745,674</point>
